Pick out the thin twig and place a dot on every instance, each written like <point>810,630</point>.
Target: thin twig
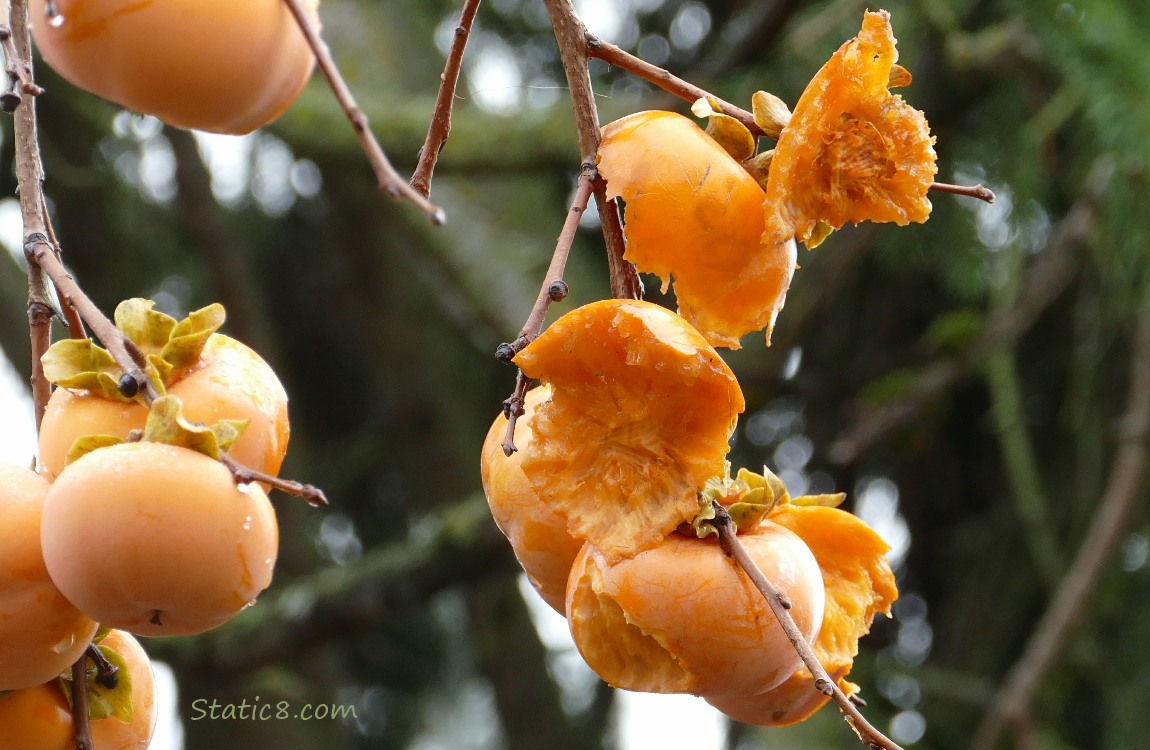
<point>981,192</point>
<point>1123,490</point>
<point>81,726</point>
<point>571,36</point>
<point>513,410</point>
<point>440,127</point>
<point>244,475</point>
<point>71,317</point>
<point>389,180</point>
<point>780,606</point>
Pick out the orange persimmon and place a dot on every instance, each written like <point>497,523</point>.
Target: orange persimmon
<point>852,151</point>
<point>695,214</point>
<point>639,416</point>
<point>683,618</point>
<point>859,584</point>
<point>41,633</point>
<point>40,718</point>
<point>156,539</point>
<point>538,534</point>
<point>226,66</point>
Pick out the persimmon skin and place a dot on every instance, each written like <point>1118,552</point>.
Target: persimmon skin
<point>231,381</point>
<point>38,718</point>
<point>225,66</point>
<point>538,534</point>
<point>682,617</point>
<point>41,633</point>
<point>156,539</point>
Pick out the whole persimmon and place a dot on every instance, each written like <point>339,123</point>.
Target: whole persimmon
<point>226,66</point>
<point>39,718</point>
<point>538,534</point>
<point>230,381</point>
<point>156,539</point>
<point>41,633</point>
<point>683,618</point>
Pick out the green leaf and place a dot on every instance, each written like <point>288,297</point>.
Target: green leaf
<point>104,701</point>
<point>74,363</point>
<point>166,424</point>
<point>829,500</point>
<point>229,431</point>
<point>191,334</point>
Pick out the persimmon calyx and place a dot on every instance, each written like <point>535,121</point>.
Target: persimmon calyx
<point>104,701</point>
<point>748,499</point>
<point>725,130</point>
<point>169,347</point>
<point>167,424</point>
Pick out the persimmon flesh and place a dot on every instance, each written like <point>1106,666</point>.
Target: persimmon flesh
<point>41,632</point>
<point>156,539</point>
<point>538,534</point>
<point>638,420</point>
<point>230,381</point>
<point>39,718</point>
<point>226,66</point>
<point>682,617</point>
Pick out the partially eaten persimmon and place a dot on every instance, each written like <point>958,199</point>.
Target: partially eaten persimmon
<point>683,618</point>
<point>852,151</point>
<point>695,214</point>
<point>638,420</point>
<point>538,534</point>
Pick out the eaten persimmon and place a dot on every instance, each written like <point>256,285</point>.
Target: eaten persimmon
<point>121,718</point>
<point>41,633</point>
<point>695,214</point>
<point>852,151</point>
<point>859,584</point>
<point>638,420</point>
<point>157,539</point>
<point>217,65</point>
<point>538,534</point>
<point>683,618</point>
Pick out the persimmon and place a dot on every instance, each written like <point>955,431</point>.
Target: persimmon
<point>156,539</point>
<point>859,584</point>
<point>40,717</point>
<point>41,633</point>
<point>228,381</point>
<point>226,66</point>
<point>695,214</point>
<point>638,420</point>
<point>683,618</point>
<point>538,534</point>
<point>852,151</point>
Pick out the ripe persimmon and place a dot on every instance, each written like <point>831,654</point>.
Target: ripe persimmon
<point>218,65</point>
<point>156,539</point>
<point>683,618</point>
<point>859,584</point>
<point>538,534</point>
<point>41,633</point>
<point>40,717</point>
<point>695,214</point>
<point>852,151</point>
<point>229,381</point>
<point>638,420</point>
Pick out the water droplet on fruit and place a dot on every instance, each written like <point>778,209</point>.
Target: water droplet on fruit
<point>248,523</point>
<point>56,21</point>
<point>244,487</point>
<point>66,643</point>
<point>252,603</point>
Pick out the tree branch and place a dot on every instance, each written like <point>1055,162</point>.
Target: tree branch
<point>389,180</point>
<point>440,127</point>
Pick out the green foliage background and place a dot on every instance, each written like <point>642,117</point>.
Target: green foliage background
<point>403,598</point>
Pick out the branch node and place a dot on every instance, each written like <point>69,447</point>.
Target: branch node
<point>558,290</point>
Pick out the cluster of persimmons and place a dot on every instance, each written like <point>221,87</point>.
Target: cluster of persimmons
<point>131,520</point>
<point>131,523</point>
<point>609,500</point>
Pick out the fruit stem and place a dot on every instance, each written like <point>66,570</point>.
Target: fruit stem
<point>389,180</point>
<point>733,547</point>
<point>313,495</point>
<point>81,727</point>
<point>440,127</point>
<point>105,670</point>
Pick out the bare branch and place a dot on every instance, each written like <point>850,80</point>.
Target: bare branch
<point>440,127</point>
<point>390,181</point>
